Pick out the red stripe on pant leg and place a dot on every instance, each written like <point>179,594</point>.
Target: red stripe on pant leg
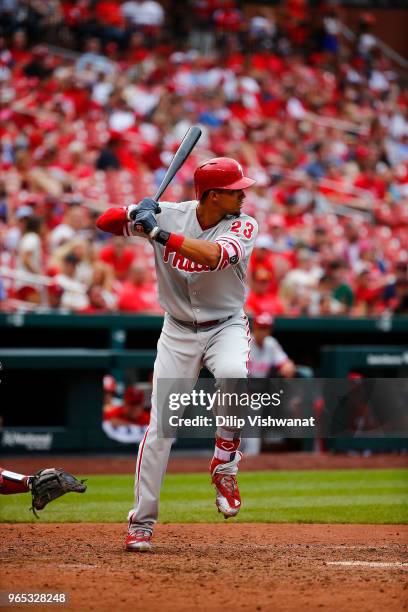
<point>139,463</point>
<point>248,333</point>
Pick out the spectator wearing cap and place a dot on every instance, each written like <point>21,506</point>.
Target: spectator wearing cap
<point>131,412</point>
<point>54,296</point>
<point>266,352</point>
<point>261,298</point>
<point>262,254</point>
<point>281,240</point>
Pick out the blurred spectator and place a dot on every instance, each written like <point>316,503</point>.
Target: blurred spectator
<point>260,298</point>
<point>299,281</point>
<point>93,59</point>
<point>131,412</point>
<point>401,297</point>
<point>15,231</point>
<point>109,391</point>
<point>108,157</point>
<point>267,357</point>
<point>118,255</point>
<point>138,293</point>
<point>342,292</point>
<point>147,15</point>
<point>366,293</point>
<point>29,259</point>
<point>322,302</point>
<point>391,289</point>
<point>103,277</point>
<point>75,293</point>
<point>71,224</point>
<point>54,297</point>
<point>281,242</point>
<point>96,301</point>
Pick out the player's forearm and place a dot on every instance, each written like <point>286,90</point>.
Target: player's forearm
<point>201,251</point>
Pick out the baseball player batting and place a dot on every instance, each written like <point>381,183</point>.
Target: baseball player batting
<point>202,248</point>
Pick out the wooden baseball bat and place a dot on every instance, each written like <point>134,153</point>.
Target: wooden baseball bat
<point>186,146</point>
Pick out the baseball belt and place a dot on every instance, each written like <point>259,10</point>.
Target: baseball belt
<point>194,325</point>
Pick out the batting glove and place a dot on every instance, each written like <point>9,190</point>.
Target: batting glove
<point>144,221</point>
<point>147,204</point>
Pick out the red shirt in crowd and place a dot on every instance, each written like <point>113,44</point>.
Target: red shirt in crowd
<point>138,299</point>
<point>120,412</point>
<point>269,302</point>
<point>120,262</point>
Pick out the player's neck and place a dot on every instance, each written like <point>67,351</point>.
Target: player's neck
<point>208,216</point>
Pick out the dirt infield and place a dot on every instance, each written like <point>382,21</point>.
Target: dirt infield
<point>211,567</point>
<point>188,463</point>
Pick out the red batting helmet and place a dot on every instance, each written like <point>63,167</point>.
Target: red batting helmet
<point>220,173</point>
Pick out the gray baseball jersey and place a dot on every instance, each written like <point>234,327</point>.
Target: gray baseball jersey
<point>190,291</point>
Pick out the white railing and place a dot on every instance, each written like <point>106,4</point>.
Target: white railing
<point>39,279</point>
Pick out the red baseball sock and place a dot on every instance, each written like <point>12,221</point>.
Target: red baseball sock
<point>224,451</point>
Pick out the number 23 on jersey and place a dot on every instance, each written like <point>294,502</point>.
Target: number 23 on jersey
<point>245,229</point>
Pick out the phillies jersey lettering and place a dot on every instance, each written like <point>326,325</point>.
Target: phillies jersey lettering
<point>193,292</point>
<point>183,263</point>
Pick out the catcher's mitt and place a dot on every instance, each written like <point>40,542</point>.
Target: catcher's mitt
<point>48,484</point>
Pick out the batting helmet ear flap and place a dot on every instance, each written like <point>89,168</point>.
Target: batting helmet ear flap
<point>220,173</point>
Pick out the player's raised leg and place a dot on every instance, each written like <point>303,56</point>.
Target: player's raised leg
<point>227,357</point>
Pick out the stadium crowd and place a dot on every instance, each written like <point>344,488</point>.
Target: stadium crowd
<point>319,122</point>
